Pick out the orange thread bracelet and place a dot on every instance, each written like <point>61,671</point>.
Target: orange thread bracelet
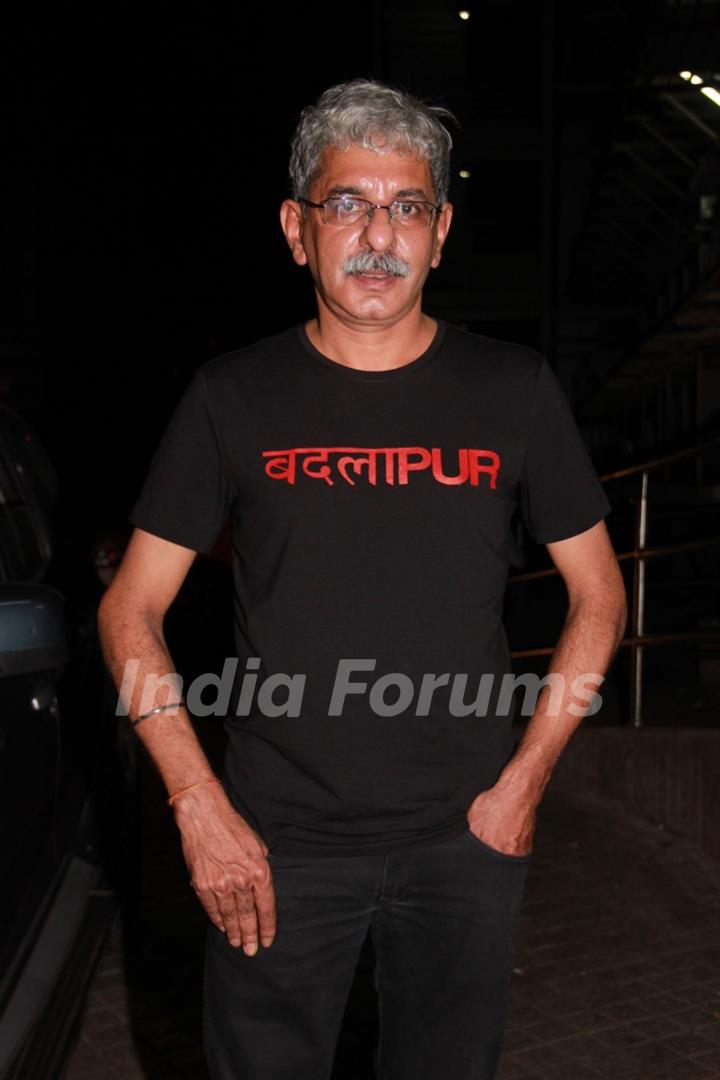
<point>210,780</point>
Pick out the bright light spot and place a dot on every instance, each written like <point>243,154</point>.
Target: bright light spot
<point>696,80</point>
<point>686,75</point>
<point>712,93</point>
<point>464,15</point>
<point>465,174</point>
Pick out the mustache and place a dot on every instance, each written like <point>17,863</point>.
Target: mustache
<point>383,261</point>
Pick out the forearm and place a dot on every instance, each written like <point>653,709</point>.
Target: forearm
<point>168,737</point>
<point>590,637</point>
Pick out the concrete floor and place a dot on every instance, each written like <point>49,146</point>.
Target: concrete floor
<point>617,970</point>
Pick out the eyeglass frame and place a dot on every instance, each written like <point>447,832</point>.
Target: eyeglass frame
<point>371,208</point>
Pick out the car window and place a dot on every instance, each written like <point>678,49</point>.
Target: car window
<point>28,493</point>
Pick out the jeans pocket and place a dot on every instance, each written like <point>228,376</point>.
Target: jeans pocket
<point>494,852</point>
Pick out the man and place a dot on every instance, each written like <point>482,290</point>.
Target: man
<point>371,462</point>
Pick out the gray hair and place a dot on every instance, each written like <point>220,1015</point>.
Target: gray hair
<point>376,117</point>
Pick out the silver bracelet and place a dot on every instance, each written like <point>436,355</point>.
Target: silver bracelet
<point>158,709</point>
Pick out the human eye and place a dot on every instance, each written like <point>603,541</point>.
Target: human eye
<point>345,207</point>
<point>407,210</point>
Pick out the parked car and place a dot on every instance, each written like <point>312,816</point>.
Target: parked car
<point>67,785</point>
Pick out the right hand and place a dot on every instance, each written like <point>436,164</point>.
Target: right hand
<point>228,867</point>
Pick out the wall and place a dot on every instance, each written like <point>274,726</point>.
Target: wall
<point>669,775</point>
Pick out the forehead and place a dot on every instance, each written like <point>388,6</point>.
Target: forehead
<point>369,170</point>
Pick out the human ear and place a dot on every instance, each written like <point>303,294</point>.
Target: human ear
<point>441,230</point>
<point>291,222</point>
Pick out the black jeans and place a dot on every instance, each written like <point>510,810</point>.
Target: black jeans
<point>443,920</point>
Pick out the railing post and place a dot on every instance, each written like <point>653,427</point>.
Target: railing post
<point>638,606</point>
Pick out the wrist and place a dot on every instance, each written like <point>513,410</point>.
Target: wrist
<point>525,777</point>
<point>194,797</point>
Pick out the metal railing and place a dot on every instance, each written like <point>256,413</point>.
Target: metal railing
<point>637,640</point>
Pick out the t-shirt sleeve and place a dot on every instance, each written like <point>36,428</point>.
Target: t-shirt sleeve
<point>560,494</point>
<point>186,496</point>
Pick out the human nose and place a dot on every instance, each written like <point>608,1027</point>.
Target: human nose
<point>379,231</point>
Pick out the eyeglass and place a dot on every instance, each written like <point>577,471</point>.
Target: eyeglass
<point>350,209</point>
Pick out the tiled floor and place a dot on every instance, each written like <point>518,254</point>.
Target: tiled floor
<point>617,971</point>
<point>618,965</point>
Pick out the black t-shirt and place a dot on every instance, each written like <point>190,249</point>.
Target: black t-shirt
<point>371,520</point>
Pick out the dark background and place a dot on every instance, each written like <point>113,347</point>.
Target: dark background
<point>146,157</point>
<point>144,160</point>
